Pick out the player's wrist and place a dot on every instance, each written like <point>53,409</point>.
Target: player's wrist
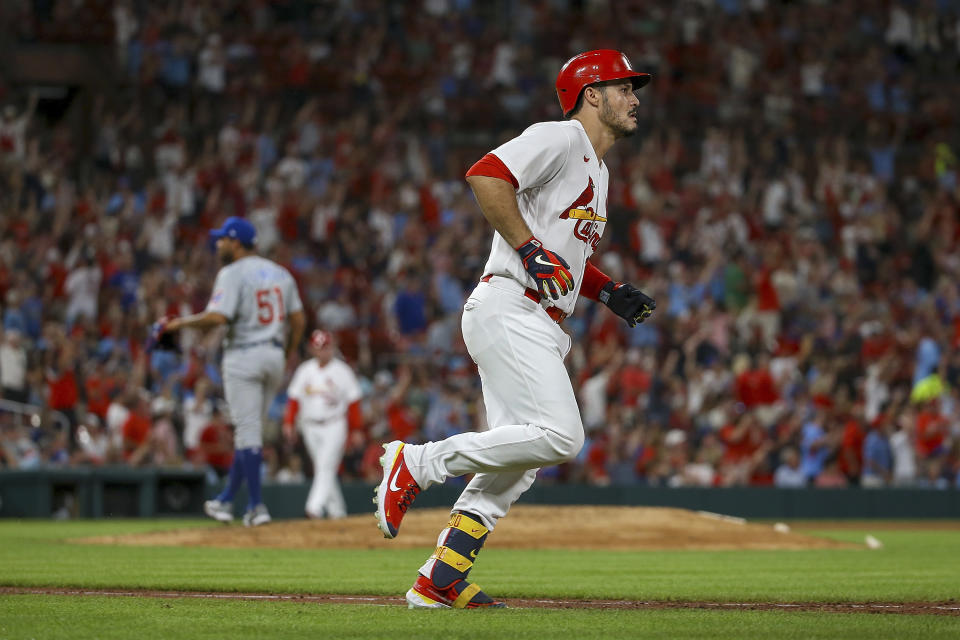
<point>528,247</point>
<point>606,290</point>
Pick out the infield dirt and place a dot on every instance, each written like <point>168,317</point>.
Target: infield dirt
<point>526,527</point>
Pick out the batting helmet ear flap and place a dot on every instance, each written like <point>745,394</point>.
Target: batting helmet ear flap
<point>590,67</point>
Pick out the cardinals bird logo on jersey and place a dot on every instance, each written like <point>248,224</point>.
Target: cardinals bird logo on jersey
<point>587,219</point>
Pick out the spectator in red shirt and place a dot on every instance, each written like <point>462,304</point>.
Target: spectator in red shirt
<point>99,387</point>
<point>747,443</point>
<point>216,444</point>
<point>831,477</point>
<point>62,390</point>
<point>756,389</point>
<point>647,453</point>
<point>136,433</point>
<point>850,455</point>
<point>62,383</point>
<point>931,431</point>
<point>402,420</point>
<point>595,464</point>
<point>767,312</point>
<point>632,380</point>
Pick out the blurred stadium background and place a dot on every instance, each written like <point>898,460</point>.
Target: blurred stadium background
<point>791,203</point>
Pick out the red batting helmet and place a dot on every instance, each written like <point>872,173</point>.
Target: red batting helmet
<point>590,67</point>
<point>319,339</point>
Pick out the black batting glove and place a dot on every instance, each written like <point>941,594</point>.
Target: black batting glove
<point>548,270</point>
<point>627,301</point>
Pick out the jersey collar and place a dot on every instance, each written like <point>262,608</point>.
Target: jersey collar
<point>583,132</point>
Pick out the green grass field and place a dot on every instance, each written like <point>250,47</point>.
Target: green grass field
<point>913,566</point>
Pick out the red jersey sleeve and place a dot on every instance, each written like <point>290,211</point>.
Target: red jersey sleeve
<point>492,167</point>
<point>355,416</point>
<point>290,415</point>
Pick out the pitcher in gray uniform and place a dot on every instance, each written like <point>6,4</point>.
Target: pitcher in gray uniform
<point>257,299</point>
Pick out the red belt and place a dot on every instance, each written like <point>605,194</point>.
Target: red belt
<point>555,313</point>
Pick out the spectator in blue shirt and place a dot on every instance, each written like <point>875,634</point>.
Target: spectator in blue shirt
<point>814,446</point>
<point>686,293</point>
<point>928,356</point>
<point>447,415</point>
<point>449,293</point>
<point>410,307</point>
<point>789,474</point>
<point>32,310</point>
<point>877,458</point>
<point>13,318</point>
<point>125,280</point>
<point>175,67</point>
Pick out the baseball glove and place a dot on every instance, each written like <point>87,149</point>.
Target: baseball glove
<point>160,339</point>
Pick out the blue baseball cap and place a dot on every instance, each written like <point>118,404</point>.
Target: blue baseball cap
<point>238,229</point>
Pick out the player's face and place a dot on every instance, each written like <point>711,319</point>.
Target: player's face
<point>618,109</point>
<point>225,250</point>
<point>324,354</point>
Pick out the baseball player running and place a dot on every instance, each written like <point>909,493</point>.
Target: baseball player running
<point>545,194</point>
<point>257,299</point>
<point>321,393</point>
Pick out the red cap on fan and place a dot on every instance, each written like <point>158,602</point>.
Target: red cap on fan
<point>319,339</point>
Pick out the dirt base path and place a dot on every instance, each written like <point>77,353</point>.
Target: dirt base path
<point>903,608</point>
<point>527,527</point>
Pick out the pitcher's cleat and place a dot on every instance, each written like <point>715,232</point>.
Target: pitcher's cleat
<point>459,595</point>
<point>219,511</point>
<point>396,492</point>
<point>256,516</point>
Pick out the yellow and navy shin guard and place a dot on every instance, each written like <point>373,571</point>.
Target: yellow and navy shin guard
<point>458,547</point>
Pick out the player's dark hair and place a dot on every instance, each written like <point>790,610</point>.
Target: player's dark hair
<point>595,85</point>
<point>577,106</point>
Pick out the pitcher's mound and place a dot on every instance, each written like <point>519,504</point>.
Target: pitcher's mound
<point>526,527</point>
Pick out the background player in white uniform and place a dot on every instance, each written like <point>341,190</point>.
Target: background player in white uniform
<point>320,394</point>
<point>257,299</point>
<point>545,193</point>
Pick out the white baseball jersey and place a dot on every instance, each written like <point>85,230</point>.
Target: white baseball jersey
<point>256,295</point>
<point>562,195</point>
<point>324,393</point>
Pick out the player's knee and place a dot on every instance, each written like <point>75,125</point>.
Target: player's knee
<point>247,438</point>
<point>567,445</point>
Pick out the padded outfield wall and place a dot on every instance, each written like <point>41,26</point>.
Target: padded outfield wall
<point>123,492</point>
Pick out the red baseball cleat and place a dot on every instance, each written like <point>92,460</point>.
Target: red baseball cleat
<point>396,492</point>
<point>459,595</point>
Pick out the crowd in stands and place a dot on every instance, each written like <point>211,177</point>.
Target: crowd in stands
<point>791,202</point>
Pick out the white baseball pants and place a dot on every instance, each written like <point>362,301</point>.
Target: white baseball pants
<point>531,407</point>
<point>325,443</point>
<point>251,378</point>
